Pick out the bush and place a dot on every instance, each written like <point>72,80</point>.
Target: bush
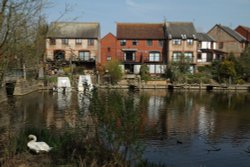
<point>114,70</point>
<point>144,72</point>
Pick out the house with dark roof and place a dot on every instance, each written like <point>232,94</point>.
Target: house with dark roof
<point>228,40</point>
<point>182,41</point>
<point>207,50</point>
<point>244,31</point>
<point>73,42</point>
<point>141,43</point>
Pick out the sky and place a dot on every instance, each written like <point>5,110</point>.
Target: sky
<point>203,13</point>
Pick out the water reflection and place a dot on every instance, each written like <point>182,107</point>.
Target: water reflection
<point>201,121</point>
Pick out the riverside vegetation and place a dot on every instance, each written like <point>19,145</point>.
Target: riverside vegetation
<point>113,142</point>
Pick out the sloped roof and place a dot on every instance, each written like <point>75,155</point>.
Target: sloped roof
<point>180,29</point>
<point>140,31</point>
<point>204,37</point>
<point>246,34</point>
<point>74,30</point>
<point>232,33</point>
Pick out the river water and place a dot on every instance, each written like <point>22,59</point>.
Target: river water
<point>177,128</point>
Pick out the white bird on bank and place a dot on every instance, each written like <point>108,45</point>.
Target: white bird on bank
<point>37,146</point>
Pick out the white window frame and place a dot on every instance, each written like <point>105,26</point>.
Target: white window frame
<point>154,56</point>
<point>176,41</point>
<point>84,55</point>
<point>190,41</point>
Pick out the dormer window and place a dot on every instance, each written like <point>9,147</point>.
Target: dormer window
<point>176,41</point>
<point>183,36</point>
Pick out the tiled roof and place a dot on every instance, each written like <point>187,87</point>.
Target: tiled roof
<point>74,30</point>
<point>245,34</point>
<point>204,37</point>
<point>232,33</point>
<point>140,31</point>
<point>181,30</point>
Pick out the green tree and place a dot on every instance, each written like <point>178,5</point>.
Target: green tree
<point>114,70</point>
<point>144,72</point>
<point>245,63</point>
<point>178,71</point>
<point>227,70</point>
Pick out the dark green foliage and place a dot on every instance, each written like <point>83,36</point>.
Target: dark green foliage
<point>114,71</point>
<point>144,72</point>
<point>245,63</point>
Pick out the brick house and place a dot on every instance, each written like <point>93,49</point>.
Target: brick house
<point>182,41</point>
<point>228,40</point>
<point>108,48</point>
<point>141,43</point>
<point>73,42</point>
<point>244,31</point>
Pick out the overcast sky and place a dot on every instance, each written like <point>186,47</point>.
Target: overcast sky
<point>203,13</point>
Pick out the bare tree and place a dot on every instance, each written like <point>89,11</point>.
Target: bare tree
<point>21,28</point>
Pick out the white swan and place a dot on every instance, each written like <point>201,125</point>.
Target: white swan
<point>37,146</point>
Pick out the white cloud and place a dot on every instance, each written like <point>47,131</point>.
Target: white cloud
<point>131,3</point>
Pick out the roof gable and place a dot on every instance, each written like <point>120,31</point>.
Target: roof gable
<point>73,30</point>
<point>109,35</point>
<point>230,32</point>
<point>139,31</point>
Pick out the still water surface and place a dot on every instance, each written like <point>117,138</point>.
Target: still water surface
<point>178,128</point>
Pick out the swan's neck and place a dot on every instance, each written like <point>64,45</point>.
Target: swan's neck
<point>33,138</point>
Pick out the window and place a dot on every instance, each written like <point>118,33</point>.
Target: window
<point>149,42</point>
<point>188,56</point>
<point>154,56</point>
<point>135,42</point>
<point>209,57</point>
<point>176,56</point>
<point>84,55</point>
<point>78,41</point>
<point>123,42</point>
<point>189,41</point>
<point>129,56</point>
<point>65,41</point>
<point>108,58</point>
<point>199,56</point>
<point>221,45</point>
<point>160,43</point>
<point>91,42</point>
<point>176,41</point>
<point>52,41</point>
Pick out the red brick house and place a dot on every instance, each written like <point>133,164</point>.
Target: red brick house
<point>244,31</point>
<point>108,48</point>
<point>141,43</point>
